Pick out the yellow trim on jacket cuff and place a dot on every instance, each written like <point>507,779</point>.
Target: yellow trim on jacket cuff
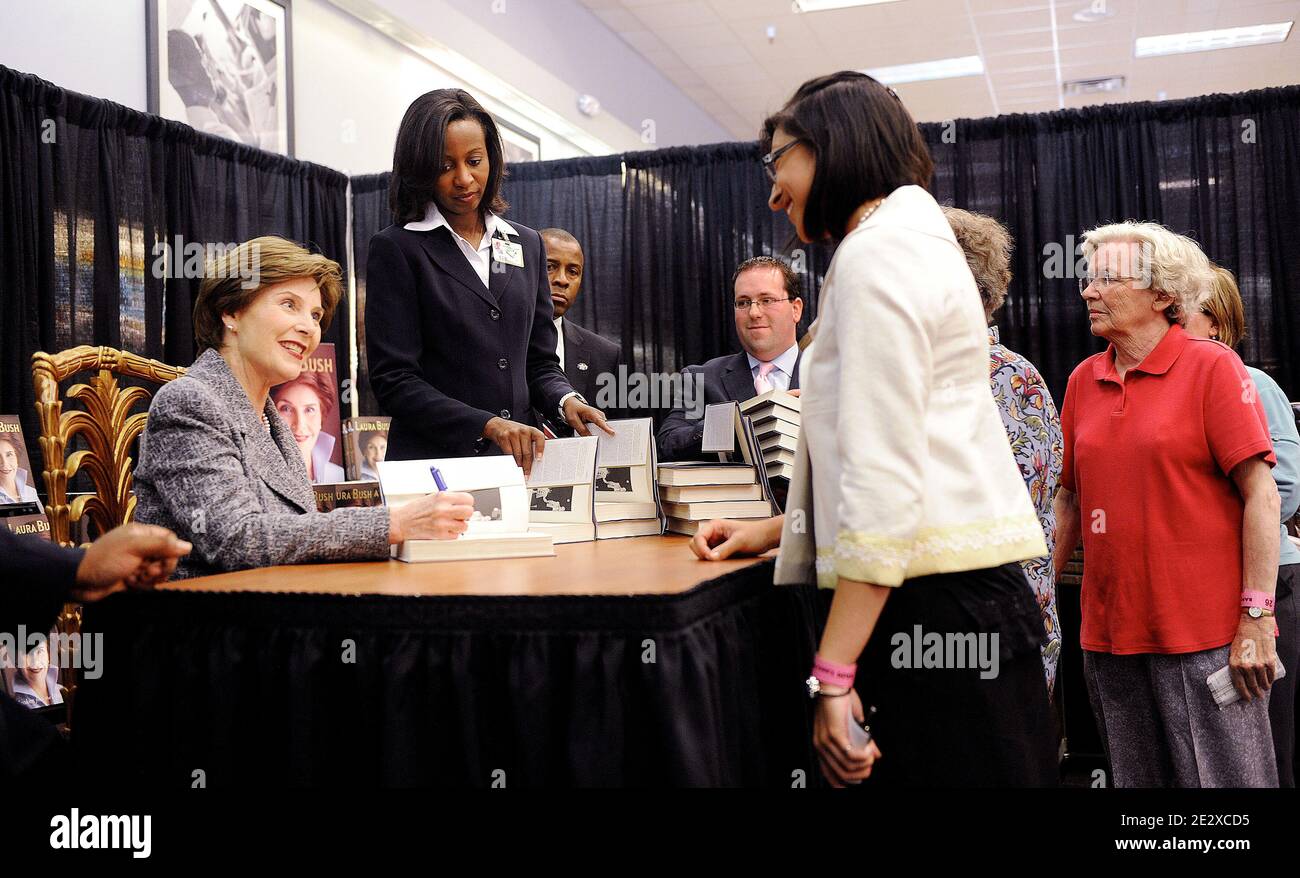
<point>890,561</point>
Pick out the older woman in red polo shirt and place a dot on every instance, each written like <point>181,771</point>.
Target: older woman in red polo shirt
<point>1166,474</point>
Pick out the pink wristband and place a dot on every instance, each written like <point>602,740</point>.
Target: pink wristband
<point>832,673</point>
<point>1261,599</point>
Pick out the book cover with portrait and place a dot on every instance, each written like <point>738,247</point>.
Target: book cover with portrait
<point>17,480</point>
<point>29,674</point>
<point>309,405</point>
<point>365,443</point>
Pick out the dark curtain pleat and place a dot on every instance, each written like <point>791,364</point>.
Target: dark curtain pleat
<point>583,196</point>
<point>85,209</point>
<point>697,689</point>
<point>370,214</point>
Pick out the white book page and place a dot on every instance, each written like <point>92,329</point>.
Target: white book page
<point>564,462</point>
<point>719,427</point>
<point>629,446</point>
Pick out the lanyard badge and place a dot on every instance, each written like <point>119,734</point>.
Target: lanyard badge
<point>508,252</point>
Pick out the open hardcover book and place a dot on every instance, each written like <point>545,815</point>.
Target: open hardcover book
<point>499,527</point>
<point>626,502</point>
<point>561,490</point>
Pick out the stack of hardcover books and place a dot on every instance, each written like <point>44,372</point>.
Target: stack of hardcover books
<point>692,492</point>
<point>775,415</point>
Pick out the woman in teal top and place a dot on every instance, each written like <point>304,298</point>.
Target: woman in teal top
<point>1223,318</point>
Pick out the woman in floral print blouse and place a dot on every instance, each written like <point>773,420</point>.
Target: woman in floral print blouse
<point>1025,404</point>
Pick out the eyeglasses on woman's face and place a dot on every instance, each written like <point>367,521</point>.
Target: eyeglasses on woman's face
<point>770,160</point>
<point>1103,281</point>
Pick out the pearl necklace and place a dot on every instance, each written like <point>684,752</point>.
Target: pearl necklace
<point>870,210</point>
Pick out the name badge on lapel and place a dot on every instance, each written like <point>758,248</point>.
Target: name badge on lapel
<point>508,252</point>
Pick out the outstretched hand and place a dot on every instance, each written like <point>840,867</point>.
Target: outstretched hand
<point>721,538</point>
<point>130,556</point>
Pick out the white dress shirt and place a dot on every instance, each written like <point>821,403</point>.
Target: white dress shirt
<point>480,257</point>
<point>559,347</point>
<point>903,462</point>
<point>783,373</point>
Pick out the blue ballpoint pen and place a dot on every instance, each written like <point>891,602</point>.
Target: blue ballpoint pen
<point>437,478</point>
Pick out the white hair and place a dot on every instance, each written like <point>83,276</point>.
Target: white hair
<point>1166,261</point>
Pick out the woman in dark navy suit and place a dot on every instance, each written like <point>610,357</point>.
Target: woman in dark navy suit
<point>459,331</point>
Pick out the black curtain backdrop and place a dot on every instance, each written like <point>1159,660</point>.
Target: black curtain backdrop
<point>1222,169</point>
<point>370,214</point>
<point>691,216</point>
<point>584,197</point>
<point>88,188</point>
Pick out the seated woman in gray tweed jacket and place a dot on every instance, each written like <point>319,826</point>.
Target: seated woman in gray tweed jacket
<point>217,464</point>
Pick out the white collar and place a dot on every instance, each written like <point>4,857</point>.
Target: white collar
<point>784,362</point>
<point>559,322</point>
<point>433,219</point>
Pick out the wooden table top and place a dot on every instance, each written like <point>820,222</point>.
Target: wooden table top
<point>634,565</point>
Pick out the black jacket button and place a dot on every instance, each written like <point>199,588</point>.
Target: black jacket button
<point>502,363</point>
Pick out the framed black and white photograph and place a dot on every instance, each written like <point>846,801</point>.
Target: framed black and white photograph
<point>224,67</point>
<point>518,144</point>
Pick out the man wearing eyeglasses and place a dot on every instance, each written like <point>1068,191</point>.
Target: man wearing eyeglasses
<point>768,304</point>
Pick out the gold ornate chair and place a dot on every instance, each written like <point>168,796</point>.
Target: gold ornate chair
<point>106,424</point>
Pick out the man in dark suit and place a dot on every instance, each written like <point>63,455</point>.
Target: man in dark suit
<point>768,303</point>
<point>39,578</point>
<point>583,354</point>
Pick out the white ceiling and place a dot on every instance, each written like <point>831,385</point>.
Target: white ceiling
<point>718,53</point>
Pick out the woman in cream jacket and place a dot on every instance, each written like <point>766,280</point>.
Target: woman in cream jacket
<point>906,498</point>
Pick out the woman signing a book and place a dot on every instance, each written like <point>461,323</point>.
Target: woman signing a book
<point>459,331</point>
<point>219,466</point>
<point>905,497</point>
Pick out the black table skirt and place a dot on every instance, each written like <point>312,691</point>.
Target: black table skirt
<point>235,689</point>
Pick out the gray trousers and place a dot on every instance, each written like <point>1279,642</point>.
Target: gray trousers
<point>1161,727</point>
